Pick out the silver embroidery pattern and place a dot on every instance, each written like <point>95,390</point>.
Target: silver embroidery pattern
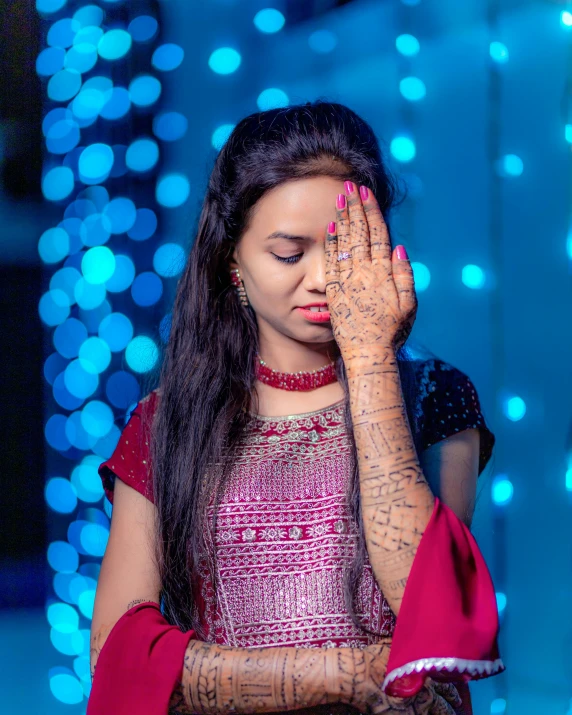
<point>476,668</point>
<point>284,536</point>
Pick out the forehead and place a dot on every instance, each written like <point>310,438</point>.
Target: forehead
<point>303,202</point>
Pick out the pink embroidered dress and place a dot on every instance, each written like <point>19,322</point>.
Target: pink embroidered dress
<point>284,533</point>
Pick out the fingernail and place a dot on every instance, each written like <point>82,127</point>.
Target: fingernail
<point>332,227</point>
<point>341,201</point>
<point>401,253</point>
<point>363,192</point>
<point>349,187</point>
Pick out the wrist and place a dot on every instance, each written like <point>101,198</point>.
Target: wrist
<point>369,358</point>
<point>345,671</point>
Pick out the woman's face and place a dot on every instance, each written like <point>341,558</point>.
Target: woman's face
<point>280,274</point>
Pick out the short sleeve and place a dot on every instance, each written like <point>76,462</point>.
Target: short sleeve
<point>130,459</point>
<point>448,403</point>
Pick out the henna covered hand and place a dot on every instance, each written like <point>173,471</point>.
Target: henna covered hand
<point>371,295</point>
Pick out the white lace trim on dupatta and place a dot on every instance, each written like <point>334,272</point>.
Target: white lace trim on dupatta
<point>476,668</point>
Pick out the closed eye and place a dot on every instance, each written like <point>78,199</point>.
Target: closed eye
<point>288,259</point>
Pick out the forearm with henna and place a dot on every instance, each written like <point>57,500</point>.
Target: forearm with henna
<point>396,499</point>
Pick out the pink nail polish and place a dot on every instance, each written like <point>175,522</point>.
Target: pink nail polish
<point>341,203</point>
<point>332,227</point>
<point>401,253</point>
<point>349,187</point>
<point>363,192</point>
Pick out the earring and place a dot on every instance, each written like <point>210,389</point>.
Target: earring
<point>239,285</point>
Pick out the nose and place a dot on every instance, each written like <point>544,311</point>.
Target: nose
<point>315,277</point>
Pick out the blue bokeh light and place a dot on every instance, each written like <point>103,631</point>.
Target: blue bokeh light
<point>510,165</point>
<point>68,337</point>
<point>323,41</point>
<point>142,155</point>
<point>499,52</point>
<point>54,245</point>
<point>145,225</point>
<point>50,61</point>
<point>421,276</point>
<point>58,183</point>
<point>89,15</point>
<point>64,85</point>
<point>403,148</point>
<point>143,28</point>
<point>94,355</point>
<point>50,6</point>
<point>515,408</point>
<point>144,90</point>
<point>98,265</point>
<point>79,382</point>
<point>117,104</point>
<point>60,495</point>
<point>502,490</point>
<point>114,45</point>
<point>82,57</point>
<point>412,88</point>
<point>407,45</point>
<point>54,307</point>
<point>95,163</point>
<point>172,190</point>
<point>473,276</point>
<point>121,213</point>
<point>169,260</point>
<point>167,57</point>
<point>142,354</point>
<point>123,274</point>
<point>269,20</point>
<point>220,135</point>
<point>62,32</point>
<point>272,98</point>
<point>117,331</point>
<point>62,557</point>
<point>97,418</point>
<point>147,289</point>
<point>170,126</point>
<point>66,688</point>
<point>225,60</point>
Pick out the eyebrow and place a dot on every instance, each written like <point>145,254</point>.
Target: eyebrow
<point>288,236</point>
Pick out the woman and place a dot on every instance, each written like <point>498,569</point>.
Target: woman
<point>307,466</point>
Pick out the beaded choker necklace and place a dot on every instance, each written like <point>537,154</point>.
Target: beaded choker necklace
<point>295,380</point>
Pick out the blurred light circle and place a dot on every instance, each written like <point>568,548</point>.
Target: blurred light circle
<point>62,136</point>
<point>58,183</point>
<point>123,275</point>
<point>566,18</point>
<point>145,225</point>
<point>412,88</point>
<point>272,98</point>
<point>143,28</point>
<point>80,439</point>
<point>89,36</point>
<point>220,135</point>
<point>62,32</point>
<point>81,57</point>
<point>98,265</point>
<point>502,490</point>
<point>142,155</point>
<point>72,227</point>
<point>116,105</point>
<point>172,190</point>
<point>225,60</point>
<point>142,354</point>
<point>170,126</point>
<point>94,355</point>
<point>95,230</point>
<point>473,276</point>
<point>89,295</point>
<point>269,20</point>
<point>55,115</point>
<point>66,688</point>
<point>89,15</point>
<point>510,165</point>
<point>53,366</point>
<point>63,617</point>
<point>96,194</point>
<point>86,481</point>
<point>93,538</point>
<point>116,329</point>
<point>95,163</point>
<point>63,581</point>
<point>407,45</point>
<point>515,408</point>
<point>81,667</point>
<point>68,644</point>
<point>167,57</point>
<point>79,382</point>
<point>54,307</point>
<point>63,396</point>
<point>88,103</point>
<point>54,432</point>
<point>403,148</point>
<point>99,82</point>
<point>97,418</point>
<point>54,245</point>
<point>114,44</point>
<point>68,337</point>
<point>169,260</point>
<point>85,603</point>
<point>60,495</point>
<point>92,317</point>
<point>49,6</point>
<point>121,213</point>
<point>70,161</point>
<point>80,583</point>
<point>80,208</point>
<point>62,557</point>
<point>50,61</point>
<point>165,328</point>
<point>147,289</point>
<point>421,276</point>
<point>499,52</point>
<point>104,448</point>
<point>323,41</point>
<point>119,165</point>
<point>64,85</point>
<point>144,90</point>
<point>122,389</point>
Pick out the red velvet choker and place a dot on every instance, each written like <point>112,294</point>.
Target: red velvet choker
<point>295,380</point>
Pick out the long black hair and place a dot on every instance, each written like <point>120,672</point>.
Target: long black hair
<point>206,378</point>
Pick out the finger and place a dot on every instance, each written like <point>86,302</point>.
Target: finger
<point>449,692</point>
<point>359,230</point>
<point>343,229</point>
<point>331,249</point>
<point>380,243</point>
<point>441,707</point>
<point>404,281</point>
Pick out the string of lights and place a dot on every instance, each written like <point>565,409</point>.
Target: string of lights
<point>106,267</point>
